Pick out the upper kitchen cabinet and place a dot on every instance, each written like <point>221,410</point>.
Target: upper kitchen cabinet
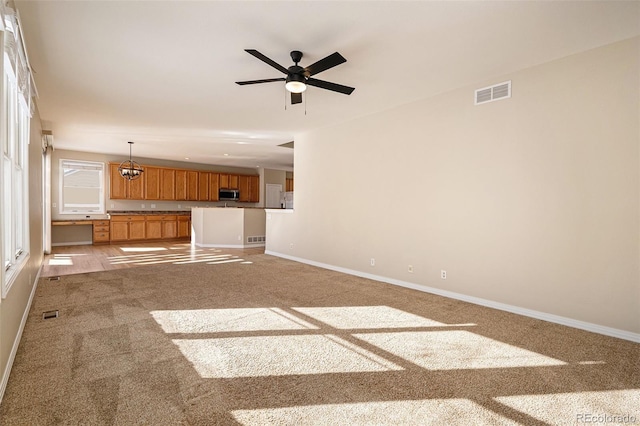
<point>167,184</point>
<point>121,188</point>
<point>203,186</point>
<point>214,187</point>
<point>249,187</point>
<point>151,183</point>
<point>229,181</point>
<point>254,189</point>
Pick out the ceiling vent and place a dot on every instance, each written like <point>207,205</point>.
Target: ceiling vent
<point>493,93</point>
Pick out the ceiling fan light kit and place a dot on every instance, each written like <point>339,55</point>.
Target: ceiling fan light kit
<point>298,78</point>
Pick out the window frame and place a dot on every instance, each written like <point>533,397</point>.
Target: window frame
<point>101,179</point>
<point>15,117</point>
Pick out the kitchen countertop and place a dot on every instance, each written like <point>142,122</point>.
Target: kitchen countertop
<point>148,213</point>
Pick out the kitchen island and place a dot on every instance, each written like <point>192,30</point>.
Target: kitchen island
<point>228,227</point>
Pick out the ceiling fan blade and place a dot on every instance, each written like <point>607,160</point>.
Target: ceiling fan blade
<point>296,98</point>
<point>330,86</point>
<point>268,80</point>
<point>324,64</point>
<point>266,60</point>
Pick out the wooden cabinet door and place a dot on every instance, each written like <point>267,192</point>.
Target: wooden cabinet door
<point>169,228</point>
<point>151,183</point>
<point>117,184</point>
<point>153,228</point>
<point>224,181</point>
<point>136,188</point>
<point>214,187</point>
<point>203,186</point>
<point>184,226</point>
<point>289,184</point>
<point>119,231</point>
<point>137,230</point>
<point>167,184</point>
<point>243,186</point>
<point>254,189</point>
<point>234,182</point>
<point>192,185</point>
<point>181,185</point>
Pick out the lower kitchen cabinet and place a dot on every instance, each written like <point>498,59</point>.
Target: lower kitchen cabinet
<point>184,226</point>
<point>149,227</point>
<point>101,231</point>
<point>128,228</point>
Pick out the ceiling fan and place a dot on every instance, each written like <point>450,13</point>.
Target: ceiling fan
<point>299,78</point>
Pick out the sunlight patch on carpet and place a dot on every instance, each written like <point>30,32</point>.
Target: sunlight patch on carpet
<point>455,350</point>
<point>278,356</point>
<point>350,317</point>
<point>423,412</point>
<point>599,407</point>
<point>228,320</point>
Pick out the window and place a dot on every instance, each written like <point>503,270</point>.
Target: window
<point>15,117</point>
<point>82,187</point>
<point>15,195</point>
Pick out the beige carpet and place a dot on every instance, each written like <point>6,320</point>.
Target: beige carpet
<point>269,341</point>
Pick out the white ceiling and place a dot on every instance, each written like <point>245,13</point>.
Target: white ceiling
<point>162,73</point>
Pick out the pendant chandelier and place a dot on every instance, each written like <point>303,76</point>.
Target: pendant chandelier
<point>129,169</point>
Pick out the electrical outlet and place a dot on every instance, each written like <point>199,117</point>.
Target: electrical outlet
<point>112,205</point>
<point>291,246</point>
<point>153,206</point>
<point>443,274</point>
<point>54,205</point>
<point>373,262</point>
<point>142,205</point>
<point>410,268</point>
<point>179,206</point>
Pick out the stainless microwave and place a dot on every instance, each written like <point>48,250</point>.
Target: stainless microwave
<point>228,194</point>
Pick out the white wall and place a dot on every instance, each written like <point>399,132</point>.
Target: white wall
<point>15,307</point>
<point>531,202</point>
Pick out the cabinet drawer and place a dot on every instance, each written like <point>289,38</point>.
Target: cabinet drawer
<point>100,237</point>
<point>132,218</point>
<point>101,228</point>
<point>100,223</point>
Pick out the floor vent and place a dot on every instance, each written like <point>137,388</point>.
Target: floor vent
<point>53,278</point>
<point>493,93</point>
<point>260,239</point>
<point>50,315</point>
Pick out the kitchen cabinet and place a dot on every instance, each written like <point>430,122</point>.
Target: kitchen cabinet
<point>192,185</point>
<point>254,189</point>
<point>214,186</point>
<point>128,228</point>
<point>181,185</point>
<point>229,181</point>
<point>151,183</point>
<point>169,226</point>
<point>243,186</point>
<point>289,184</point>
<point>161,227</point>
<point>249,187</point>
<point>167,184</point>
<point>124,189</point>
<point>203,186</point>
<point>184,226</point>
<point>101,231</point>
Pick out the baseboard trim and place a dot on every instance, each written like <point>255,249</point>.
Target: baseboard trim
<point>74,243</point>
<point>237,246</point>
<point>569,322</point>
<point>16,342</point>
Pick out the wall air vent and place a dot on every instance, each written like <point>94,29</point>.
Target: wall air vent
<point>254,240</point>
<point>493,93</point>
